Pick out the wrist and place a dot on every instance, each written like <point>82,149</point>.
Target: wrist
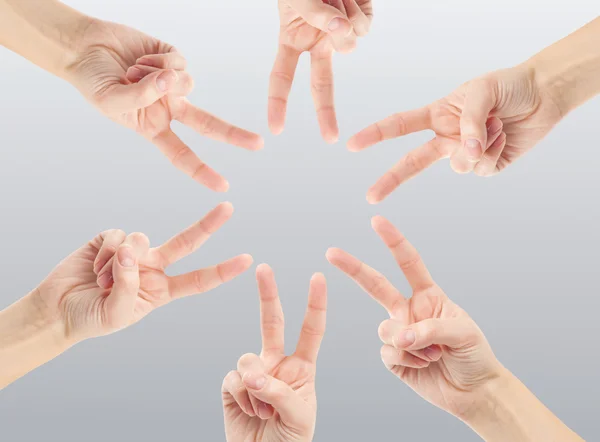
<point>568,72</point>
<point>31,334</point>
<point>46,32</point>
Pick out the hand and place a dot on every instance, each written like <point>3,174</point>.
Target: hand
<point>95,294</point>
<point>430,343</point>
<point>318,27</point>
<point>271,397</point>
<point>483,126</point>
<point>141,83</point>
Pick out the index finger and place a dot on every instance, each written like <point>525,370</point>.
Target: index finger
<point>313,328</point>
<point>371,281</point>
<point>193,237</point>
<point>271,312</point>
<point>322,92</point>
<point>397,125</point>
<point>217,129</point>
<point>405,254</point>
<point>280,85</point>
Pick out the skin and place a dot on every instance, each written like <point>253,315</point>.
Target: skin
<point>490,122</point>
<point>320,28</point>
<point>433,346</point>
<point>108,284</point>
<point>271,397</point>
<point>134,79</point>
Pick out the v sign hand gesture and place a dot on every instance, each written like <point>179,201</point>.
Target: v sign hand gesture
<point>271,397</point>
<point>116,279</point>
<point>141,83</point>
<point>318,27</point>
<point>430,343</point>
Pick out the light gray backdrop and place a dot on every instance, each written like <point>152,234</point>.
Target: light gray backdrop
<point>519,251</point>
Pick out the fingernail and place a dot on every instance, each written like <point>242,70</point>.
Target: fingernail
<point>166,80</point>
<point>104,280</point>
<point>126,258</point>
<point>263,411</point>
<point>405,339</point>
<point>431,353</point>
<point>145,62</point>
<point>473,148</point>
<point>255,382</point>
<point>134,73</point>
<point>339,26</point>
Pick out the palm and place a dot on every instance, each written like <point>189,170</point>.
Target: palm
<point>286,412</point>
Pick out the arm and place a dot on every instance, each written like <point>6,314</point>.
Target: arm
<point>508,411</point>
<point>44,32</point>
<point>30,336</point>
<point>570,69</point>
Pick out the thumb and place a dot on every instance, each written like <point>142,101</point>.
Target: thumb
<point>453,333</point>
<point>121,301</point>
<point>480,100</point>
<point>294,411</point>
<point>323,16</point>
<point>122,98</point>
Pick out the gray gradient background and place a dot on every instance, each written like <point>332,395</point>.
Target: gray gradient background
<point>519,251</point>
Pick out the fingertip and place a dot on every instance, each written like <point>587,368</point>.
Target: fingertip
<point>226,207</point>
<point>334,255</point>
<point>318,278</point>
<point>222,186</point>
<point>377,221</point>
<point>246,260</point>
<point>352,145</point>
<point>263,269</point>
<point>372,198</point>
<point>259,142</point>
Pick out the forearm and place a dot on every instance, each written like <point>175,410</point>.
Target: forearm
<point>570,69</point>
<point>46,32</point>
<point>509,412</point>
<point>29,337</point>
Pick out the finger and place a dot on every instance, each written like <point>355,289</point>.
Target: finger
<point>251,363</point>
<point>110,241</point>
<point>138,241</point>
<point>404,252</point>
<point>184,159</point>
<point>397,125</point>
<point>323,16</point>
<point>408,167</point>
<point>204,280</point>
<point>183,87</point>
<point>192,238</point>
<point>343,41</point>
<point>313,328</point>
<point>280,86</point>
<point>487,164</point>
<point>390,328</point>
<point>271,313</point>
<point>216,129</point>
<point>494,129</point>
<point>120,303</point>
<point>123,98</point>
<point>371,281</point>
<point>479,101</point>
<point>234,388</point>
<point>360,21</point>
<point>171,60</point>
<point>293,409</point>
<point>393,357</point>
<point>453,333</point>
<point>322,92</point>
